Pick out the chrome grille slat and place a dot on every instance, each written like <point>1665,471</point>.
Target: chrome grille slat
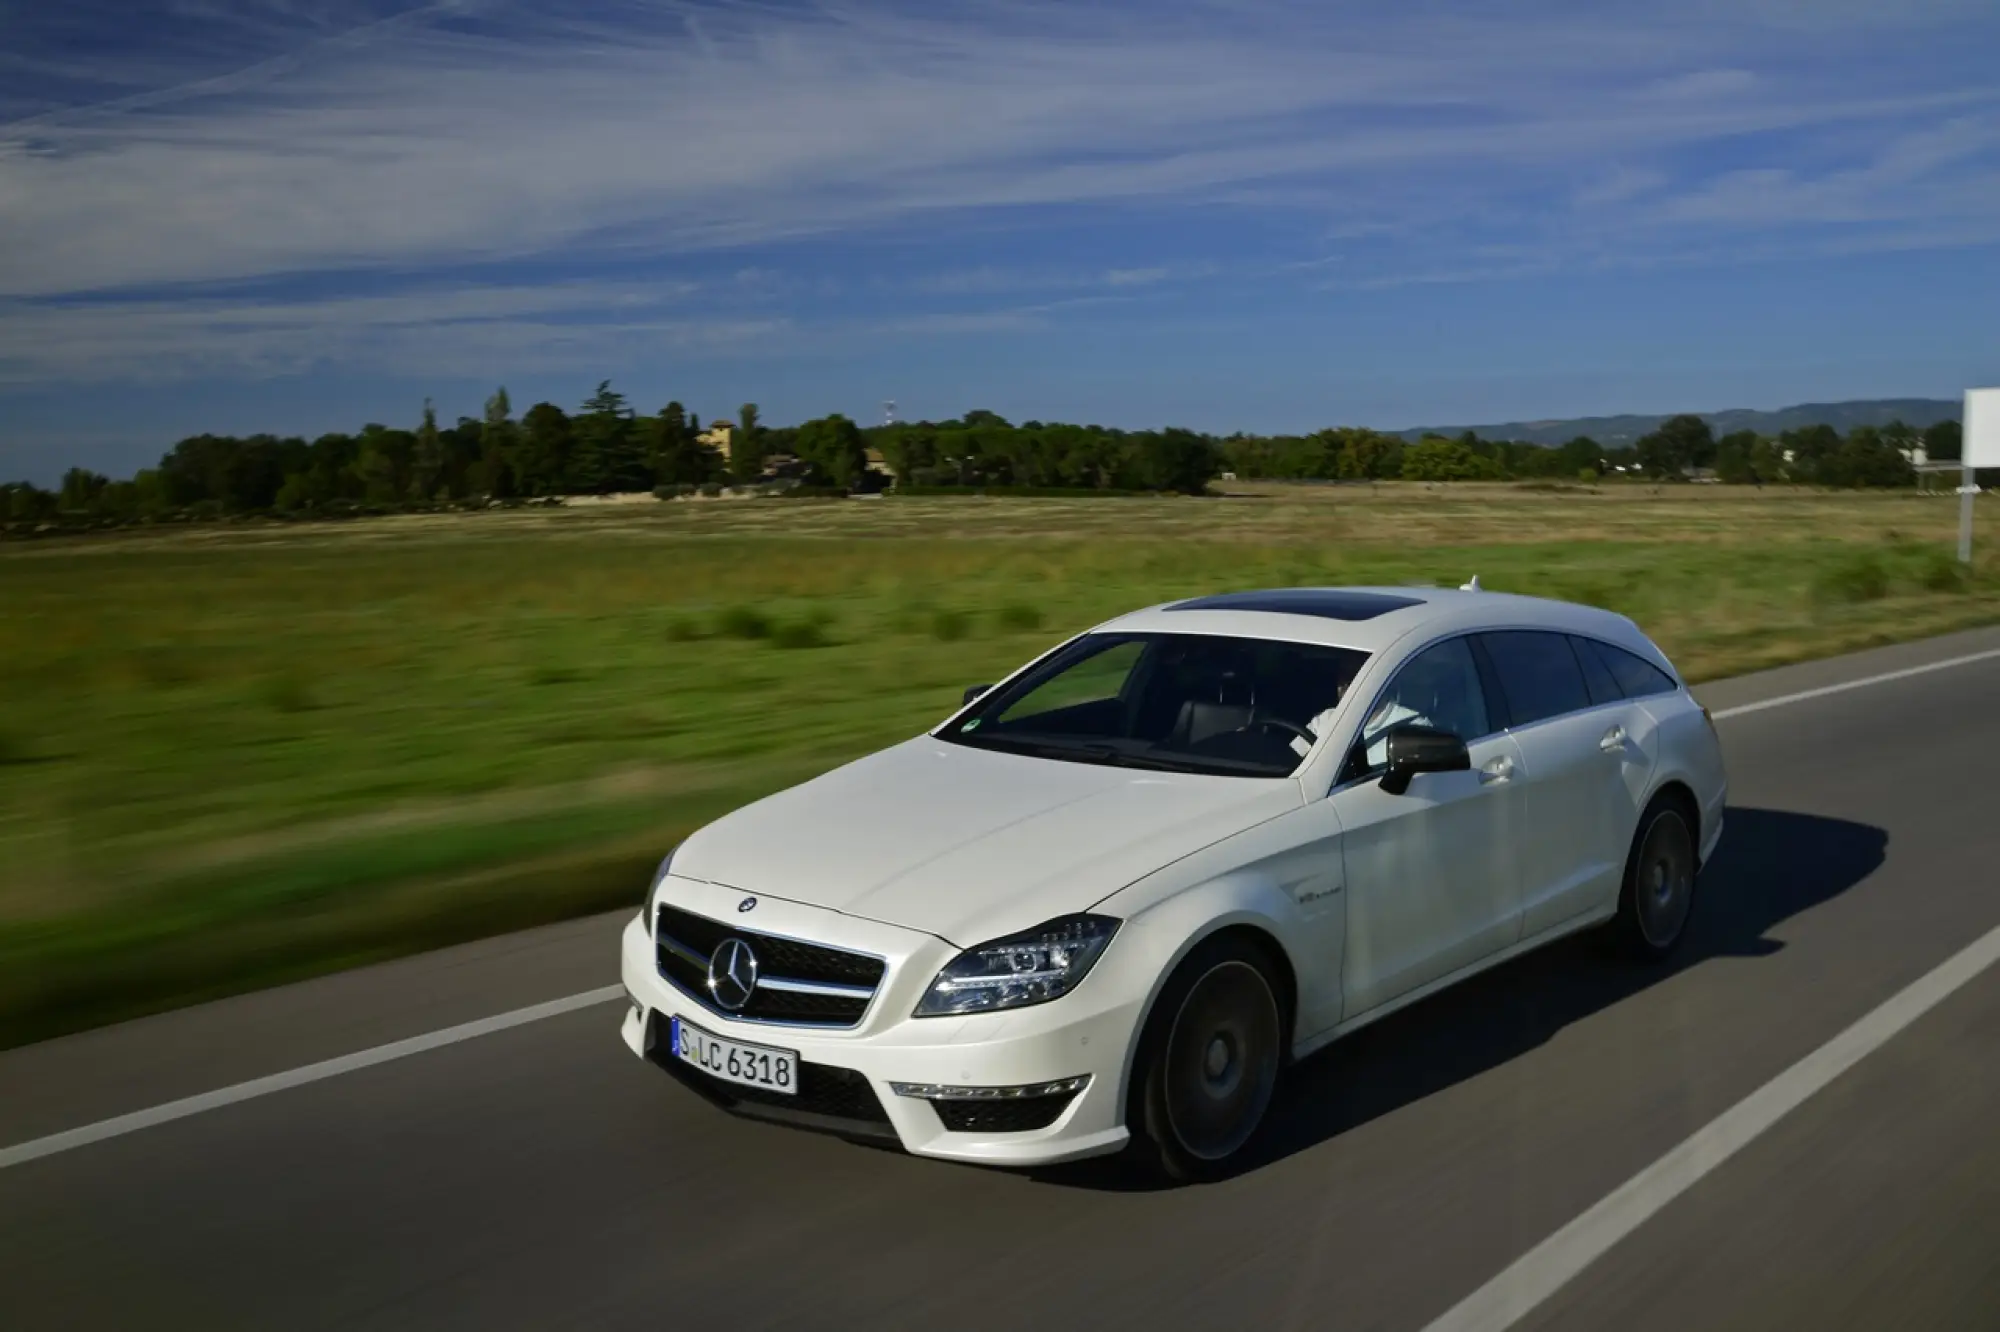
<point>862,992</point>
<point>674,945</point>
<point>828,994</point>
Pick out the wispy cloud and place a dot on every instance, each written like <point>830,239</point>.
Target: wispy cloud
<point>1137,277</point>
<point>993,280</point>
<point>1943,172</point>
<point>483,331</point>
<point>1699,85</point>
<point>231,141</point>
<point>1619,185</point>
<point>1006,319</point>
<point>404,140</point>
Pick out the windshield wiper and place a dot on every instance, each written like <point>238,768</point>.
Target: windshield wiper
<point>1124,758</point>
<point>1114,756</point>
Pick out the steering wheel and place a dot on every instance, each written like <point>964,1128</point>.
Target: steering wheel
<point>1280,724</point>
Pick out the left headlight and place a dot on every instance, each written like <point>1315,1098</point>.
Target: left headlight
<point>1031,967</point>
<point>653,891</point>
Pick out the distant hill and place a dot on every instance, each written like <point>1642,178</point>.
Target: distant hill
<point>1621,430</point>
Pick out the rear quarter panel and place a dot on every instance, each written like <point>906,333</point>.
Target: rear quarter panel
<point>1691,754</point>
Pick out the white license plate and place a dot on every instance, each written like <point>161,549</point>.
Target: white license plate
<point>748,1065</point>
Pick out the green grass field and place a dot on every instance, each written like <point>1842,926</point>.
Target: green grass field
<point>235,755</point>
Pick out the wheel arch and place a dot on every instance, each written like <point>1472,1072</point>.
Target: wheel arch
<point>1249,925</point>
<point>1286,974</point>
<point>1676,790</point>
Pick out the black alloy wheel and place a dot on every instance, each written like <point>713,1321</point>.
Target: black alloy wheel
<point>1658,894</point>
<point>1209,1062</point>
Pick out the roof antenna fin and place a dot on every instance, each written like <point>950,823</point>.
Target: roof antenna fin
<point>1472,586</point>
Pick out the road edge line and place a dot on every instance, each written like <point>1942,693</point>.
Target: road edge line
<point>1784,700</point>
<point>120,1125</point>
<point>1530,1280</point>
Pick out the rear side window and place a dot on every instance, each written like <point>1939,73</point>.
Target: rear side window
<point>1637,677</point>
<point>1604,687</point>
<point>1538,674</point>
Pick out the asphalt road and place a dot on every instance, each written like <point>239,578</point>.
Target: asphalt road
<point>540,1177</point>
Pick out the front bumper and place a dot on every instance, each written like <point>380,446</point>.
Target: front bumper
<point>850,1071</point>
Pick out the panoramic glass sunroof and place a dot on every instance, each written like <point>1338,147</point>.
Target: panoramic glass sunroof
<point>1327,603</point>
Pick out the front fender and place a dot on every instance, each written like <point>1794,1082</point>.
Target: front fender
<point>1162,930</point>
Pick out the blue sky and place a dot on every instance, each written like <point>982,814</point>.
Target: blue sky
<point>300,215</point>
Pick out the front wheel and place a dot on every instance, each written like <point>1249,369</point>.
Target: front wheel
<point>1658,893</point>
<point>1208,1062</point>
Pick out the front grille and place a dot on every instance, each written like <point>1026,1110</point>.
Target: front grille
<point>799,984</point>
<point>829,1099</point>
<point>1015,1115</point>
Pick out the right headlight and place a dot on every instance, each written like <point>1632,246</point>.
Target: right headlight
<point>1031,967</point>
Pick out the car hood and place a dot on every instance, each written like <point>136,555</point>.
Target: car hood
<point>969,844</point>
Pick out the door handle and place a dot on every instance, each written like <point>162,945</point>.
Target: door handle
<point>1614,739</point>
<point>1497,770</point>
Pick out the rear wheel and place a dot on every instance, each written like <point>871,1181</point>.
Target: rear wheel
<point>1208,1062</point>
<point>1658,894</point>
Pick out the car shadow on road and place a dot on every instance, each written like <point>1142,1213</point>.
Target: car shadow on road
<point>1771,865</point>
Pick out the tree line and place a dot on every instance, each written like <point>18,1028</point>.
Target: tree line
<point>605,447</point>
<point>602,447</point>
<point>1683,447</point>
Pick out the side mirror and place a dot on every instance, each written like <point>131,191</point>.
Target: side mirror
<point>1415,749</point>
<point>972,692</point>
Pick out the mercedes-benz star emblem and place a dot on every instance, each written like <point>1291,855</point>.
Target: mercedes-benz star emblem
<point>746,904</point>
<point>732,974</point>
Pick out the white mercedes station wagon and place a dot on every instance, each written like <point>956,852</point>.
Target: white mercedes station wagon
<point>1104,905</point>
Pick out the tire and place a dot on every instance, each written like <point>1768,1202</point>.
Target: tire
<point>1208,1063</point>
<point>1656,900</point>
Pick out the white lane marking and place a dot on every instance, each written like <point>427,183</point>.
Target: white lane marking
<point>243,1091</point>
<point>1784,700</point>
<point>298,1077</point>
<point>1546,1268</point>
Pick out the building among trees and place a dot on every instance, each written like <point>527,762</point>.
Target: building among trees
<point>718,437</point>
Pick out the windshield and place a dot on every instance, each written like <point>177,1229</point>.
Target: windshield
<point>1246,707</point>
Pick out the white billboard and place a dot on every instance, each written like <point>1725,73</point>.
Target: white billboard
<point>1982,427</point>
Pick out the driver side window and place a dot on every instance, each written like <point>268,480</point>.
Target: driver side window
<point>1440,688</point>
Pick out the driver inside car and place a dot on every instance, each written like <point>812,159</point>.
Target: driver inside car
<point>1439,689</point>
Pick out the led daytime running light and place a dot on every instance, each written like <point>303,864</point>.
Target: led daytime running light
<point>930,1091</point>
